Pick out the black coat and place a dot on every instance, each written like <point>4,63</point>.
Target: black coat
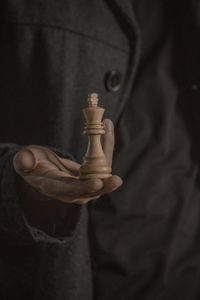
<point>141,242</point>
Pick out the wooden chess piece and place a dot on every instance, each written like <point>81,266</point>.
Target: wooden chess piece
<point>94,162</point>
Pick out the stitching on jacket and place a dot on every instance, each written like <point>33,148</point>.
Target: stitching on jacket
<point>70,30</point>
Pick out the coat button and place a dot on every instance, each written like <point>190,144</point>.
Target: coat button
<point>113,80</point>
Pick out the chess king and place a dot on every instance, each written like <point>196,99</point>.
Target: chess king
<point>94,162</point>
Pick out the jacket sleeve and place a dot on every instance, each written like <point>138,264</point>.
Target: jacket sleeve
<point>15,227</point>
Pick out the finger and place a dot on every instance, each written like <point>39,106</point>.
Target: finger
<point>111,184</point>
<point>108,140</point>
<point>70,165</point>
<point>38,160</point>
<point>44,169</point>
<point>61,188</point>
<point>63,164</point>
<point>26,163</point>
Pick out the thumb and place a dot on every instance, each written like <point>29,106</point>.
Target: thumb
<point>108,140</point>
<point>24,161</point>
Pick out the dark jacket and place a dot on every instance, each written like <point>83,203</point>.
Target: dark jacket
<point>142,241</point>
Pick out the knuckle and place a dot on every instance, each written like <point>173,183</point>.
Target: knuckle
<point>95,185</point>
<point>41,188</point>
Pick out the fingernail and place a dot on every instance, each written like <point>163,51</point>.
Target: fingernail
<point>108,124</point>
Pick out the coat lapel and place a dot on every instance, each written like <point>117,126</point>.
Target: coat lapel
<point>127,10</point>
<point>124,13</point>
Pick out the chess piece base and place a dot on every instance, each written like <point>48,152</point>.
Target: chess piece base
<point>94,168</point>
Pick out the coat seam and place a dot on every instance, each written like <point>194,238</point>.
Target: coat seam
<point>56,27</point>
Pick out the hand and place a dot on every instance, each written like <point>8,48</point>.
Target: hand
<point>58,178</point>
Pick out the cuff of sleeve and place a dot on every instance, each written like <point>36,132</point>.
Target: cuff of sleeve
<point>15,226</point>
